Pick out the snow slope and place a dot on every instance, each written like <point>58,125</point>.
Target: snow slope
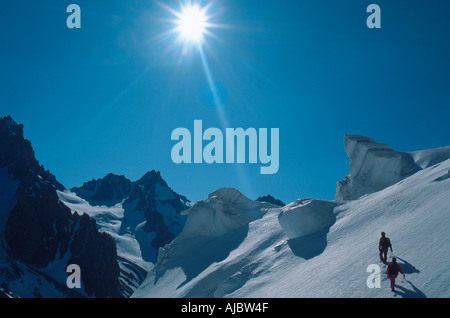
<point>109,219</point>
<point>258,259</point>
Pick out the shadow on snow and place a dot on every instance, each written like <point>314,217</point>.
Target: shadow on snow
<point>415,292</point>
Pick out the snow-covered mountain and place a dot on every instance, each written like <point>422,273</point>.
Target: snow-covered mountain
<point>141,216</point>
<point>147,209</point>
<point>111,227</point>
<point>235,247</point>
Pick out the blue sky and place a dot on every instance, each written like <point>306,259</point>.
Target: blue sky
<point>106,97</point>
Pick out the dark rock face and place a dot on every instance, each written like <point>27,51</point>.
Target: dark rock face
<point>36,227</point>
<point>40,228</point>
<point>111,189</point>
<point>147,198</point>
<point>271,199</point>
<point>96,255</point>
<point>16,153</point>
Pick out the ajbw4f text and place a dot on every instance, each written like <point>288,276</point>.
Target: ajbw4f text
<point>235,141</point>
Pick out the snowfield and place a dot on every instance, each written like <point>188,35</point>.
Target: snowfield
<point>109,219</point>
<point>313,248</point>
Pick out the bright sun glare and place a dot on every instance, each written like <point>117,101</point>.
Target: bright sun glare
<point>192,23</point>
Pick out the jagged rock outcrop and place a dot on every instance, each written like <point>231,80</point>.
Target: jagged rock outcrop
<point>160,206</point>
<point>271,199</point>
<point>17,154</point>
<point>40,229</point>
<point>96,255</point>
<point>108,190</point>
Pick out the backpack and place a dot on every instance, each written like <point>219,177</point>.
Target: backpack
<point>385,242</point>
<point>393,269</point>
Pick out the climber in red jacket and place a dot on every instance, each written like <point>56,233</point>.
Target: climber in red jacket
<point>392,271</point>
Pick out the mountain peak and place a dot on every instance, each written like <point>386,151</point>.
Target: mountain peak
<point>108,190</point>
<point>11,125</point>
<point>150,178</point>
<point>271,199</point>
<point>18,155</point>
<point>228,194</point>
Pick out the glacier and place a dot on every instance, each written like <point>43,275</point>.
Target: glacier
<point>373,167</point>
<point>233,247</point>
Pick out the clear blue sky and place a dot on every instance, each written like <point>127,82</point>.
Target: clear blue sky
<point>106,97</point>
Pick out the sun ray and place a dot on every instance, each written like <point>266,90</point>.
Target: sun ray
<point>194,25</point>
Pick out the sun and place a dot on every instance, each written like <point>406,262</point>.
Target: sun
<point>192,23</point>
